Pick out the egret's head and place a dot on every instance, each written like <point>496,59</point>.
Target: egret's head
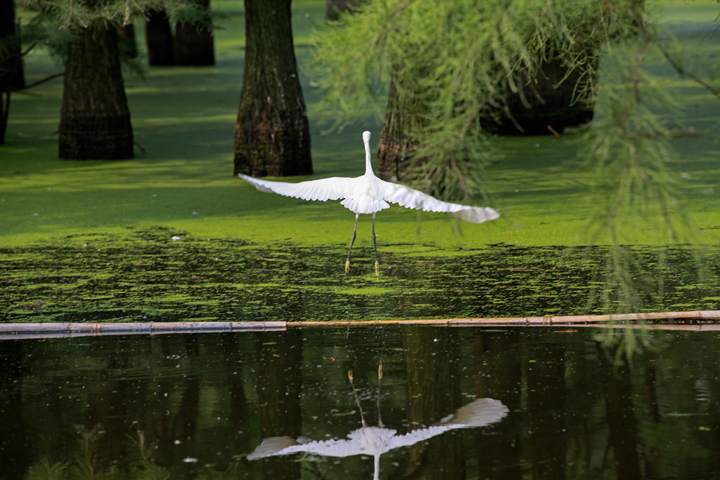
<point>366,137</point>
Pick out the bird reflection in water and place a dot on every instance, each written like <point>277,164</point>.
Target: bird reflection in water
<point>375,441</point>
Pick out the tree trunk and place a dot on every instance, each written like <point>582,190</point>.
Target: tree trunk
<point>94,117</point>
<point>399,135</point>
<point>11,71</point>
<point>194,41</point>
<point>159,39</point>
<point>272,134</point>
<point>550,108</point>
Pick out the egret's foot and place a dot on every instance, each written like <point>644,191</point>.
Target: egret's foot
<point>347,266</point>
<point>377,269</point>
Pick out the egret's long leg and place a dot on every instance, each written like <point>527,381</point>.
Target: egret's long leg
<point>352,240</point>
<point>377,264</point>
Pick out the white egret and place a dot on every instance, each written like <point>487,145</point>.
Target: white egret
<point>367,194</point>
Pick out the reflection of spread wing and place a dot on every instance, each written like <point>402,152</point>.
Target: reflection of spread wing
<point>417,436</point>
<point>366,440</point>
<point>479,413</point>
<point>324,189</point>
<point>410,198</point>
<point>272,446</point>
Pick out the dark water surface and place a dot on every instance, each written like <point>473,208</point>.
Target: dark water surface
<point>194,406</point>
<point>146,276</point>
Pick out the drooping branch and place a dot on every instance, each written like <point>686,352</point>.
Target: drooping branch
<point>673,63</point>
<point>39,82</point>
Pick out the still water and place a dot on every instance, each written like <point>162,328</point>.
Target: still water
<point>528,403</point>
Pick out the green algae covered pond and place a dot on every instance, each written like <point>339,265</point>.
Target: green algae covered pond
<point>164,275</point>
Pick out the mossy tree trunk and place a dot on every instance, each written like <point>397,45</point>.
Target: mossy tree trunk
<point>159,39</point>
<point>194,41</point>
<point>11,71</point>
<point>272,134</point>
<point>94,117</point>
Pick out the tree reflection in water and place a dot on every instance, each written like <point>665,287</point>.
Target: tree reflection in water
<point>195,406</point>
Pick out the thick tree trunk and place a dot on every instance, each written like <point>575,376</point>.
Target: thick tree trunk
<point>159,39</point>
<point>94,117</point>
<point>399,136</point>
<point>11,71</point>
<point>194,41</point>
<point>550,105</point>
<point>272,134</point>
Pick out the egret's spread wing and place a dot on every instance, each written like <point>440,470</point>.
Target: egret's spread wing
<point>411,198</point>
<point>333,188</point>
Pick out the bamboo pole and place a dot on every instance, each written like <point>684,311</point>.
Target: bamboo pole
<point>707,322</point>
<point>125,328</point>
<point>707,316</point>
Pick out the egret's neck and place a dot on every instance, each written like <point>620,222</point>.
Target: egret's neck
<point>368,162</point>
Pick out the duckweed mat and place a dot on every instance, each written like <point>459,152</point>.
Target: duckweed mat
<point>161,275</point>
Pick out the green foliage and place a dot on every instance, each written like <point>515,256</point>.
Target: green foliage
<point>628,146</point>
<point>459,60</point>
<point>56,23</point>
<point>68,14</point>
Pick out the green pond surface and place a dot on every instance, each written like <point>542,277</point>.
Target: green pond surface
<point>147,276</point>
<point>196,406</point>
